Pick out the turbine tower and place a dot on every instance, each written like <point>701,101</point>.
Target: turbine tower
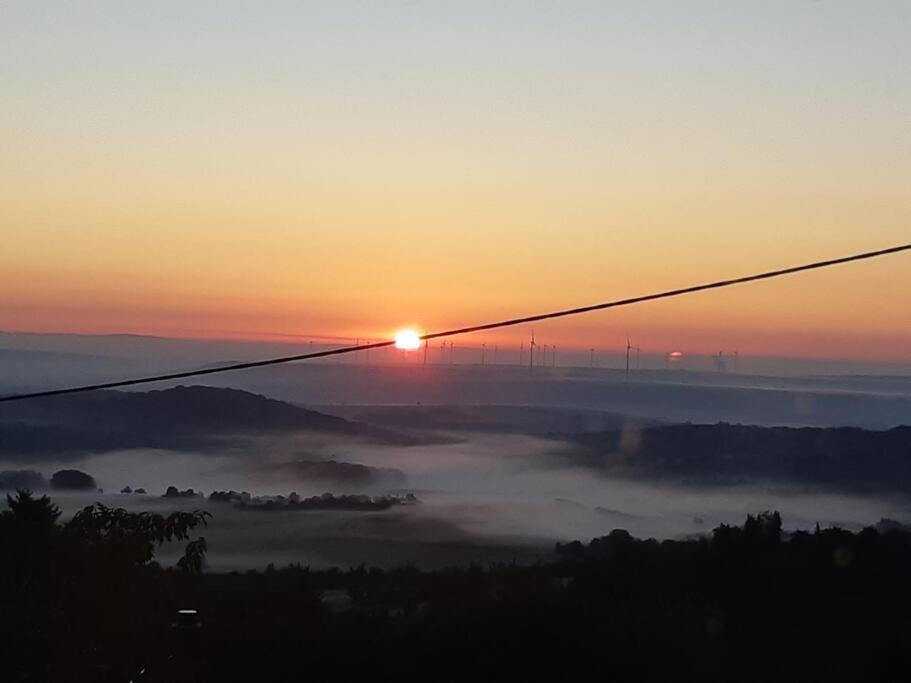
<point>629,347</point>
<point>719,361</point>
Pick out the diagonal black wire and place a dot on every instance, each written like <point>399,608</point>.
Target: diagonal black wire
<point>465,330</point>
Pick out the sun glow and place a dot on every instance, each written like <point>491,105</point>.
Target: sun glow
<point>407,339</point>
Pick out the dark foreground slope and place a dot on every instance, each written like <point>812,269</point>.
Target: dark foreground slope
<point>194,417</point>
<point>83,603</point>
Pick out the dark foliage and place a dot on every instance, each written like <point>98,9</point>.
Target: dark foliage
<point>69,593</point>
<point>84,602</point>
<point>174,492</point>
<point>130,537</point>
<point>231,496</point>
<point>30,511</point>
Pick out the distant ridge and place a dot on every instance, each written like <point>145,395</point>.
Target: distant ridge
<point>183,417</point>
<point>841,458</point>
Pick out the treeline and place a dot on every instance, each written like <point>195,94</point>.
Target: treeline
<point>327,501</point>
<point>86,601</point>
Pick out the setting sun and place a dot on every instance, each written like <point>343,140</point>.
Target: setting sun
<point>407,340</point>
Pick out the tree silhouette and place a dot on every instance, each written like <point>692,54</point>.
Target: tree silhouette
<point>764,527</point>
<point>130,537</point>
<point>24,507</point>
<point>194,556</point>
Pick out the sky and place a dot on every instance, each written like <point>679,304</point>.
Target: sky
<point>255,170</point>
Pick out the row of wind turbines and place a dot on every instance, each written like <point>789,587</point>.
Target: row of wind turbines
<point>543,355</point>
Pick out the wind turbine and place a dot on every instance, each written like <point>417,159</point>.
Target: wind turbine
<point>719,361</point>
<point>531,351</point>
<point>629,347</point>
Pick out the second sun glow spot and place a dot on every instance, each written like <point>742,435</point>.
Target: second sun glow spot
<point>407,340</point>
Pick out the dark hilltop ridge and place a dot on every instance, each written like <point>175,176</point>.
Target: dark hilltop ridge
<point>846,459</point>
<point>194,417</point>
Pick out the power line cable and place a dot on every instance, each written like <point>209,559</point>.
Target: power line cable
<point>465,330</point>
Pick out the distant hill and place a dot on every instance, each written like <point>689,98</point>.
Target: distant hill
<point>193,417</point>
<point>510,419</point>
<point>339,473</point>
<point>847,459</point>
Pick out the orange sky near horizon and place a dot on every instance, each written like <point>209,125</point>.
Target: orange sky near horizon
<point>216,179</point>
